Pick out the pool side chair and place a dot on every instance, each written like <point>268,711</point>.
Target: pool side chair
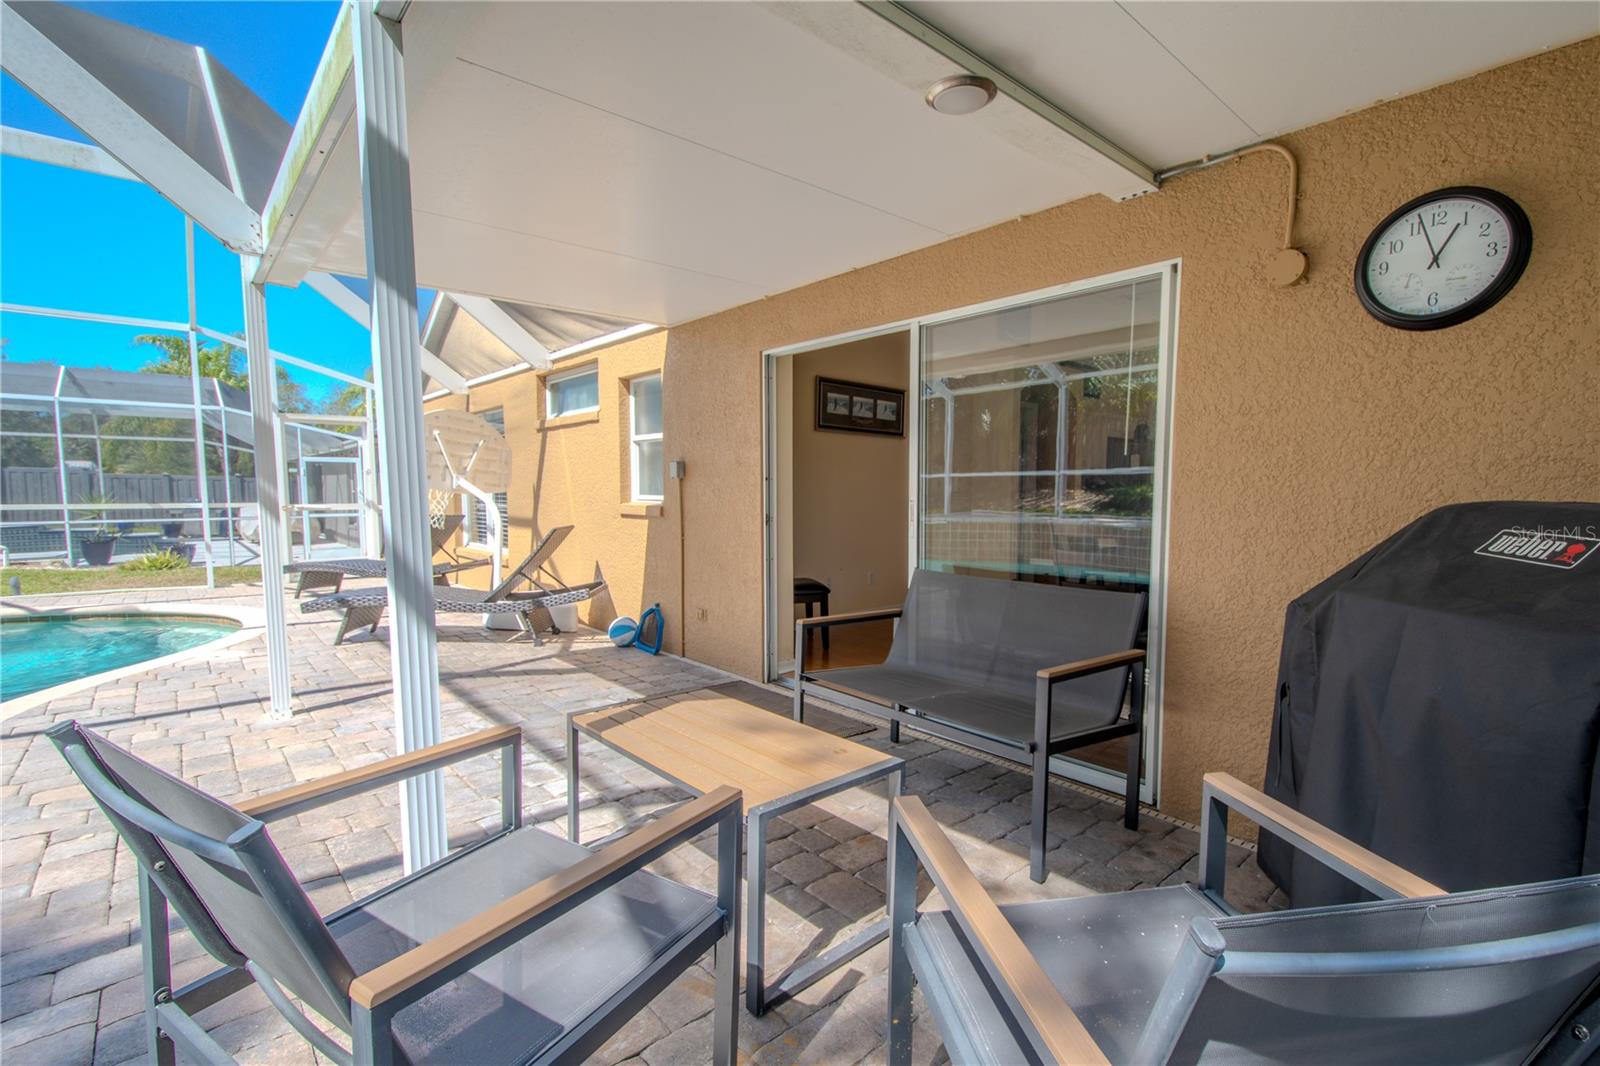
<point>522,948</point>
<point>364,608</point>
<point>1172,975</point>
<point>1019,670</point>
<point>317,575</point>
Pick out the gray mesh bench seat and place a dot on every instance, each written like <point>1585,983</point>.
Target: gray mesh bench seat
<point>1020,670</point>
<point>312,575</point>
<point>522,948</point>
<point>364,608</point>
<point>1173,975</point>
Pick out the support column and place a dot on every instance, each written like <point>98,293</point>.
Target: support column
<point>397,377</point>
<point>269,499</point>
<point>202,482</point>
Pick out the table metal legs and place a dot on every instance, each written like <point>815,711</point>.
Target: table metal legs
<point>759,996</point>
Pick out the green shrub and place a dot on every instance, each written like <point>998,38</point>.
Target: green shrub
<point>163,559</point>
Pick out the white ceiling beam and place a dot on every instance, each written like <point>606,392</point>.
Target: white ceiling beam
<point>909,23</point>
<point>60,81</point>
<point>505,329</point>
<point>340,295</point>
<point>60,152</point>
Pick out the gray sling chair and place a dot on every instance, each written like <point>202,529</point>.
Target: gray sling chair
<point>1171,975</point>
<point>363,608</point>
<point>313,575</point>
<point>521,948</point>
<point>1020,670</point>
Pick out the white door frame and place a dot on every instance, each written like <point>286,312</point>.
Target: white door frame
<point>1168,270</point>
<point>774,642</point>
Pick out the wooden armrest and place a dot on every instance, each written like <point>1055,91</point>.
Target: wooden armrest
<point>502,923</point>
<point>1371,871</point>
<point>1008,957</point>
<point>848,617</point>
<point>1053,674</point>
<point>309,794</point>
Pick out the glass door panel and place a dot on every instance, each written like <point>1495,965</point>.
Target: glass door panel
<point>1039,442</point>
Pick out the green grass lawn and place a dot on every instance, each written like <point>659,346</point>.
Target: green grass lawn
<point>41,580</point>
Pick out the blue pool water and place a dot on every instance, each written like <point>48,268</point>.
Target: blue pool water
<point>38,653</point>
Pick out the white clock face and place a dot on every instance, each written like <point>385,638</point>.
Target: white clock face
<point>1439,257</point>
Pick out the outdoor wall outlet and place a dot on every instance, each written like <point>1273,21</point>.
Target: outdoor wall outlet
<point>675,469</point>
<point>701,614</point>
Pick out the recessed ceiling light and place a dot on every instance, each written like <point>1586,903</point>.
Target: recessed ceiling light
<point>960,94</point>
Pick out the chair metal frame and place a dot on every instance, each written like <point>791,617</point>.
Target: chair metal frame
<point>1036,752</point>
<point>375,997</point>
<point>1048,1021</point>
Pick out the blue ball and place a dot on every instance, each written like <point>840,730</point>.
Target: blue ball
<point>623,632</point>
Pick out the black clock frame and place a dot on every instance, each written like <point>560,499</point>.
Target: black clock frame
<point>1516,260</point>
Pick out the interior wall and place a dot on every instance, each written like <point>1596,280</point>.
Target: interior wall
<point>850,489</point>
<point>1304,431</point>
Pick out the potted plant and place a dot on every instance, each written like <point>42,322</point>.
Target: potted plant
<point>99,541</point>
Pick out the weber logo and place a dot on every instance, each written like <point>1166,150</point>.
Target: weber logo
<point>1541,549</point>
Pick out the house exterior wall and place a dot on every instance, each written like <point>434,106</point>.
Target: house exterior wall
<point>575,470</point>
<point>1303,431</point>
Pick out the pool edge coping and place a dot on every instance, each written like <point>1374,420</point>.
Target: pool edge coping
<point>250,620</point>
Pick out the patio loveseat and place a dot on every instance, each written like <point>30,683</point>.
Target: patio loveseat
<point>1016,669</point>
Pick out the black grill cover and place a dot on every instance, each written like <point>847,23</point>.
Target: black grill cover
<point>1439,702</point>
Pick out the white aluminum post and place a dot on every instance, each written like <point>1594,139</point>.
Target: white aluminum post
<point>397,375</point>
<point>61,471</point>
<point>372,516</point>
<point>227,471</point>
<point>201,486</point>
<point>269,498</point>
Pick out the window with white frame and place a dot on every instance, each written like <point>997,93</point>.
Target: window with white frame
<point>476,517</point>
<point>573,392</point>
<point>644,431</point>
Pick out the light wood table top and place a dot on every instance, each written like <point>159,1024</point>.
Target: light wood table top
<point>704,739</point>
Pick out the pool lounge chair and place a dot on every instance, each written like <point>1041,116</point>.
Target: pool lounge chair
<point>363,608</point>
<point>314,575</point>
<point>521,948</point>
<point>1172,975</point>
<point>1020,670</point>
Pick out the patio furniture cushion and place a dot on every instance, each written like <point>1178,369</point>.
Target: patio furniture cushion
<point>567,968</point>
<point>1109,956</point>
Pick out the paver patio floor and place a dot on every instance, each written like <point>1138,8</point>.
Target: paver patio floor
<point>69,954</point>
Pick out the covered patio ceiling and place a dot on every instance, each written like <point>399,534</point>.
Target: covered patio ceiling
<point>657,163</point>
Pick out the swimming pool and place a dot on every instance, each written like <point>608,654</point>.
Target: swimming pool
<point>39,653</point>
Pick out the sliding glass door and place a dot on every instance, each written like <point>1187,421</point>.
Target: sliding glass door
<point>1043,431</point>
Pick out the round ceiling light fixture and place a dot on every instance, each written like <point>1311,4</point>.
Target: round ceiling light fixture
<point>960,94</point>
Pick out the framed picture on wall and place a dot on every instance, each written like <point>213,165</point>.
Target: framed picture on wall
<point>858,408</point>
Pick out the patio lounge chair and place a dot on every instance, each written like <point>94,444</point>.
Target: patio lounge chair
<point>521,948</point>
<point>316,574</point>
<point>1019,670</point>
<point>364,608</point>
<point>1169,975</point>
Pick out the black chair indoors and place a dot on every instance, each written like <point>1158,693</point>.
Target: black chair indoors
<point>1019,670</point>
<point>521,948</point>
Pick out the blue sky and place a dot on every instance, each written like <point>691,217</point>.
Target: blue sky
<point>89,243</point>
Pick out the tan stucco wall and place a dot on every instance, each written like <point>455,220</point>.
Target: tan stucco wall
<point>1303,430</point>
<point>575,471</point>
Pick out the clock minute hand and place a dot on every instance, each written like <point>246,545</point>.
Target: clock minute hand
<point>1442,247</point>
<point>1433,254</point>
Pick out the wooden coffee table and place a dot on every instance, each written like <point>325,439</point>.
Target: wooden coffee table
<point>707,739</point>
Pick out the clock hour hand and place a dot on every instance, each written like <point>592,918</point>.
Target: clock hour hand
<point>1440,252</point>
<point>1432,253</point>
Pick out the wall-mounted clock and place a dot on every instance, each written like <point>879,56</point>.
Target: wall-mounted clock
<point>1443,258</point>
